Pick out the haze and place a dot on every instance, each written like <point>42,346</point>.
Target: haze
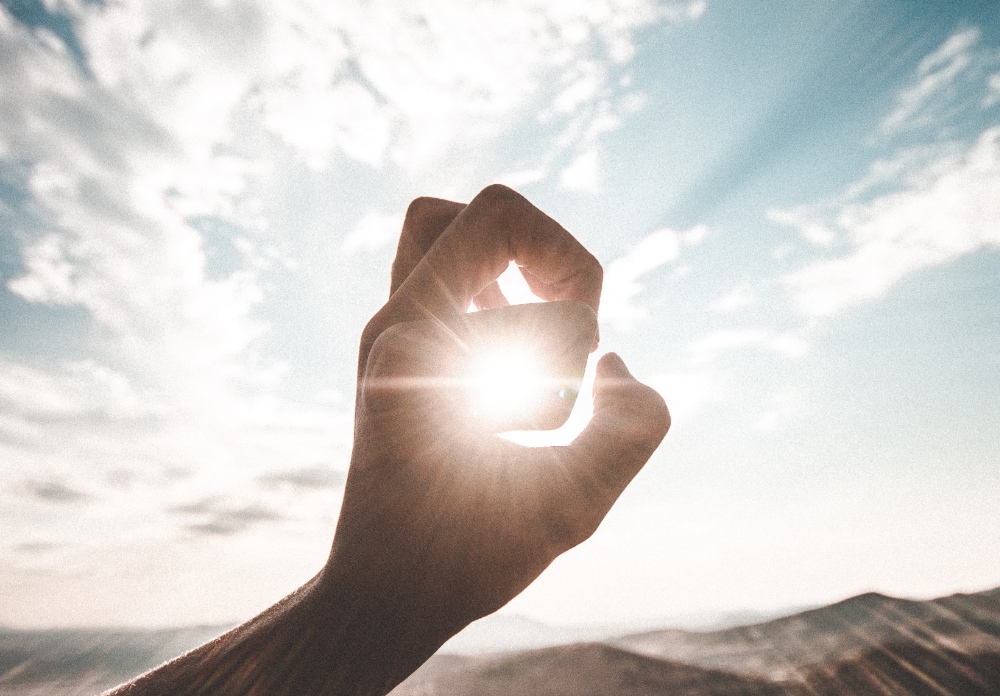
<point>797,205</point>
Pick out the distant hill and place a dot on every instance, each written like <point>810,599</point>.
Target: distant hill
<point>582,669</point>
<point>86,662</point>
<point>869,644</point>
<point>783,648</point>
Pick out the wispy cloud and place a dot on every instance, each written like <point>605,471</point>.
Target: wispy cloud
<point>710,347</point>
<point>992,97</point>
<point>214,517</point>
<point>165,114</point>
<point>582,174</point>
<point>688,392</point>
<point>373,231</point>
<point>782,408</point>
<point>621,280</point>
<point>946,210</point>
<point>923,206</point>
<point>56,492</point>
<point>313,477</point>
<point>935,76</point>
<point>735,299</point>
<point>324,79</point>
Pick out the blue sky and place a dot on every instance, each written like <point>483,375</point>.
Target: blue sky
<point>797,206</point>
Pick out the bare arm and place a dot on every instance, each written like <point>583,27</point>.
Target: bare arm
<point>439,527</point>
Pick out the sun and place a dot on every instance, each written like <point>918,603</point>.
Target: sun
<point>506,382</point>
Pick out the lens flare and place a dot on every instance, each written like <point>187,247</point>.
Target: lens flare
<point>506,382</point>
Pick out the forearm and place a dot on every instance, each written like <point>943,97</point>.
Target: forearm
<point>324,639</point>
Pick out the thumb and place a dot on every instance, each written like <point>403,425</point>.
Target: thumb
<point>630,420</point>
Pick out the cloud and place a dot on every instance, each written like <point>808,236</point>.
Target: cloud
<point>813,231</point>
<point>708,348</point>
<point>686,393</point>
<point>373,231</point>
<point>936,74</point>
<point>56,492</point>
<point>621,280</point>
<point>582,174</point>
<point>949,209</point>
<point>783,407</point>
<point>324,79</point>
<point>173,112</point>
<point>314,477</point>
<point>737,298</point>
<point>213,517</point>
<point>35,548</point>
<point>992,97</point>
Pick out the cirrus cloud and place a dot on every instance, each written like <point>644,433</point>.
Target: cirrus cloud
<point>951,209</point>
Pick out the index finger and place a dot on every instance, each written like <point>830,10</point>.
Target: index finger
<point>497,227</point>
<point>426,218</point>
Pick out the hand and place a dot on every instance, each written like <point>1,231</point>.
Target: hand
<point>441,526</point>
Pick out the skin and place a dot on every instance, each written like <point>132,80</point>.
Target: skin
<point>440,525</point>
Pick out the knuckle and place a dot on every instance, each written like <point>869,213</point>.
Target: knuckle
<point>501,199</point>
<point>597,270</point>
<point>422,208</point>
<point>384,344</point>
<point>594,274</point>
<point>373,329</point>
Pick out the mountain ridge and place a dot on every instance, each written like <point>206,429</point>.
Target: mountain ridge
<point>867,644</point>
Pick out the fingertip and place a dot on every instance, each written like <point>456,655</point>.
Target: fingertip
<point>611,365</point>
<point>614,385</point>
<point>491,297</point>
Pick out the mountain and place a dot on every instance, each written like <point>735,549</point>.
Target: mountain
<point>869,644</point>
<point>866,645</point>
<point>510,632</point>
<point>582,669</point>
<point>85,662</point>
<point>785,648</point>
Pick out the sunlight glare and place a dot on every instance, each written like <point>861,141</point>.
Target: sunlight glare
<point>507,382</point>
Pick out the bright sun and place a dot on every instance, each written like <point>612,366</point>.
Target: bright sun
<point>507,382</point>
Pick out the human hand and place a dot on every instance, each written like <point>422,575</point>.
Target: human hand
<point>441,524</point>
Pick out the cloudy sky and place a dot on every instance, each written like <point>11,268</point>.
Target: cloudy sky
<point>797,204</point>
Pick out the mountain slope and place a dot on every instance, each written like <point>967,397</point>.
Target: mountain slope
<point>866,645</point>
<point>785,648</point>
<point>68,662</point>
<point>583,669</point>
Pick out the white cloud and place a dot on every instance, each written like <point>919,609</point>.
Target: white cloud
<point>935,74</point>
<point>708,348</point>
<point>582,174</point>
<point>523,177</point>
<point>937,217</point>
<point>686,393</point>
<point>190,110</point>
<point>783,407</point>
<point>621,280</point>
<point>992,97</point>
<point>173,401</point>
<point>815,232</point>
<point>324,78</point>
<point>76,389</point>
<point>737,298</point>
<point>373,231</point>
<point>321,121</point>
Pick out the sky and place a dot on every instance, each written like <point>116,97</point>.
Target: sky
<point>797,206</point>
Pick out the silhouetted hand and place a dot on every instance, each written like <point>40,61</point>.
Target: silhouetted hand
<point>442,524</point>
<point>447,525</point>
